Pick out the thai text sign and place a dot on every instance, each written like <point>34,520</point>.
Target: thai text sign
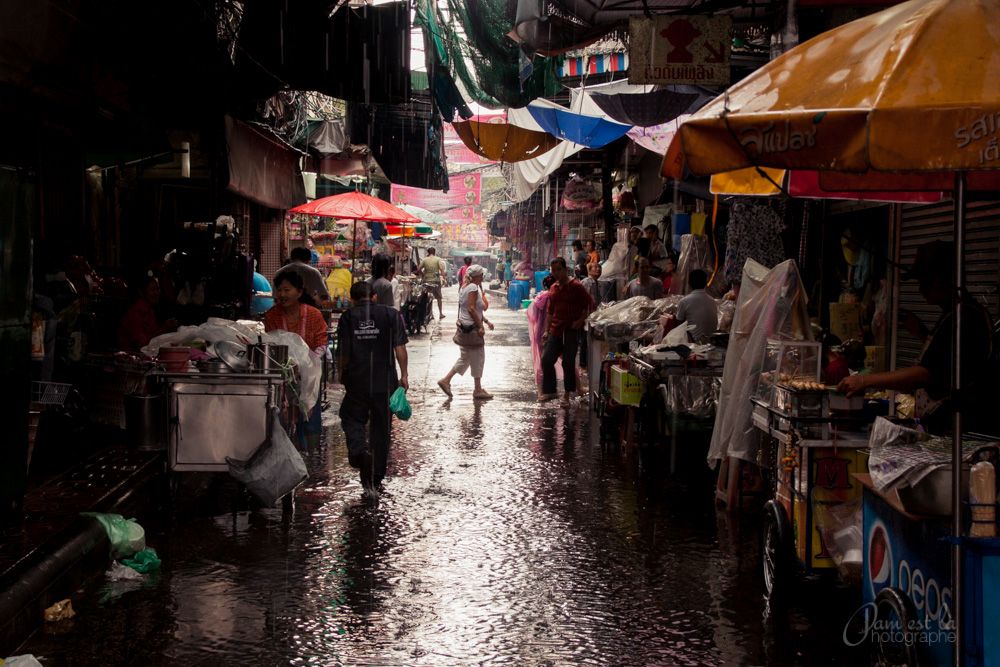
<point>463,190</point>
<point>679,50</point>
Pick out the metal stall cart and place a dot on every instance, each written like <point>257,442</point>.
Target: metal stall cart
<point>215,415</point>
<point>809,455</point>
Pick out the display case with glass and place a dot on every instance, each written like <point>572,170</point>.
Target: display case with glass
<point>791,365</point>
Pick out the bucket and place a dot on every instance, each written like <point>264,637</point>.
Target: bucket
<point>146,421</point>
<point>174,358</point>
<point>267,356</point>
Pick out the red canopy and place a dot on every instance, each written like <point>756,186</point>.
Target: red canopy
<point>356,206</point>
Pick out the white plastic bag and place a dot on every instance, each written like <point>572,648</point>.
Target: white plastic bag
<point>274,469</point>
<point>25,660</point>
<point>117,572</point>
<point>678,335</point>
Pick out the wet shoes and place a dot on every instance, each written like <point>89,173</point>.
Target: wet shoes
<point>367,471</point>
<point>482,396</point>
<point>445,387</point>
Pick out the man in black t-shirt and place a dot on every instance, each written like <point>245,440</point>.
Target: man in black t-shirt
<point>371,338</point>
<point>930,380</point>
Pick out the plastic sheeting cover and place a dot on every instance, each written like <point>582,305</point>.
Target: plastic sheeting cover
<point>216,329</point>
<point>695,254</point>
<point>772,304</point>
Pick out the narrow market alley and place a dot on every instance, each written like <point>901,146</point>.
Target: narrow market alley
<point>506,534</point>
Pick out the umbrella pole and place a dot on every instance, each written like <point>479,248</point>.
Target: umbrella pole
<point>957,583</point>
<point>354,249</point>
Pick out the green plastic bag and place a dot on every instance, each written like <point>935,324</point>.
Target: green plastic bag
<point>399,405</point>
<point>125,535</point>
<point>144,561</point>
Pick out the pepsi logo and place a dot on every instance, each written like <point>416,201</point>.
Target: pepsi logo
<point>879,559</point>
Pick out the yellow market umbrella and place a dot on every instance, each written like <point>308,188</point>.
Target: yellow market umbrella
<point>912,88</point>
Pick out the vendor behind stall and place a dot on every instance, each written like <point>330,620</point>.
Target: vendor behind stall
<point>139,326</point>
<point>699,308</point>
<point>930,379</point>
<point>293,311</point>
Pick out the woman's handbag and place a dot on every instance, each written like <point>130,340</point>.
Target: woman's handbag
<point>468,336</point>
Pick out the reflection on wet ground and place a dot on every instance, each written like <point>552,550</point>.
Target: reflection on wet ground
<point>506,535</point>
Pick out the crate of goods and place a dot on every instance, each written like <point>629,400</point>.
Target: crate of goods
<point>626,388</point>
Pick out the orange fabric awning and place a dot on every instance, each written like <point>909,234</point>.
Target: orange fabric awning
<point>504,142</point>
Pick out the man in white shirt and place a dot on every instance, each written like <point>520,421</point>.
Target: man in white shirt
<point>699,308</point>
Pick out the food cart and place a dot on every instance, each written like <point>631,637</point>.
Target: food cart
<point>811,449</point>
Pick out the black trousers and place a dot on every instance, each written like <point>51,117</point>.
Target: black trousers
<point>559,346</point>
<point>356,410</point>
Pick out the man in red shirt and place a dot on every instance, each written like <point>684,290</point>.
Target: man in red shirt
<point>568,308</point>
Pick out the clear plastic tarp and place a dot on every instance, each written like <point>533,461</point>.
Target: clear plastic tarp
<point>310,366</point>
<point>693,395</point>
<point>772,304</point>
<point>695,254</point>
<point>638,317</point>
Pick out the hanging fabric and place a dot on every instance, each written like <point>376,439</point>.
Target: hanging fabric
<point>754,233</point>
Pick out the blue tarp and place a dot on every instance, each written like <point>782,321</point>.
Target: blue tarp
<point>588,131</point>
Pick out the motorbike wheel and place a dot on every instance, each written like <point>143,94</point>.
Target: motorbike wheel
<point>894,644</point>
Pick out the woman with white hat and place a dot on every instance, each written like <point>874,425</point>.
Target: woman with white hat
<point>470,334</point>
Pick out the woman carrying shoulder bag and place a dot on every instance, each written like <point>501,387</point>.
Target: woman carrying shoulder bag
<point>470,334</point>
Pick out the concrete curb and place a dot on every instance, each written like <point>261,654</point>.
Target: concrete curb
<point>55,570</point>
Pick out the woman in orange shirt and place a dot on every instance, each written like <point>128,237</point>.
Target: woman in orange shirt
<point>293,311</point>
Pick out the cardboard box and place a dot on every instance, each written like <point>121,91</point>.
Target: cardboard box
<point>845,320</point>
<point>626,389</point>
<point>875,359</point>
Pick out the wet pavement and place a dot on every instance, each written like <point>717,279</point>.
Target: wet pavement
<point>506,534</point>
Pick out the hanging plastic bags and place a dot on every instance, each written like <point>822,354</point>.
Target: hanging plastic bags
<point>274,469</point>
<point>399,405</point>
<point>126,536</point>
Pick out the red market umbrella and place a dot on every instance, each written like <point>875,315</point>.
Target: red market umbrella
<point>356,206</point>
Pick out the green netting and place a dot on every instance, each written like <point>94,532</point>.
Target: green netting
<point>476,31</point>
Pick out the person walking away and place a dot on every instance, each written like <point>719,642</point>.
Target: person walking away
<point>500,271</point>
<point>593,289</point>
<point>930,379</point>
<point>567,310</point>
<point>537,314</point>
<point>381,286</point>
<point>470,335</point>
<point>461,273</point>
<point>698,308</point>
<point>312,279</point>
<point>580,259</point>
<point>657,252</point>
<point>294,310</point>
<point>592,256</point>
<point>508,273</point>
<point>371,340</point>
<point>431,270</point>
<point>645,284</point>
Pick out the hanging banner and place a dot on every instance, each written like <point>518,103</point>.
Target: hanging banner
<point>678,49</point>
<point>463,190</point>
